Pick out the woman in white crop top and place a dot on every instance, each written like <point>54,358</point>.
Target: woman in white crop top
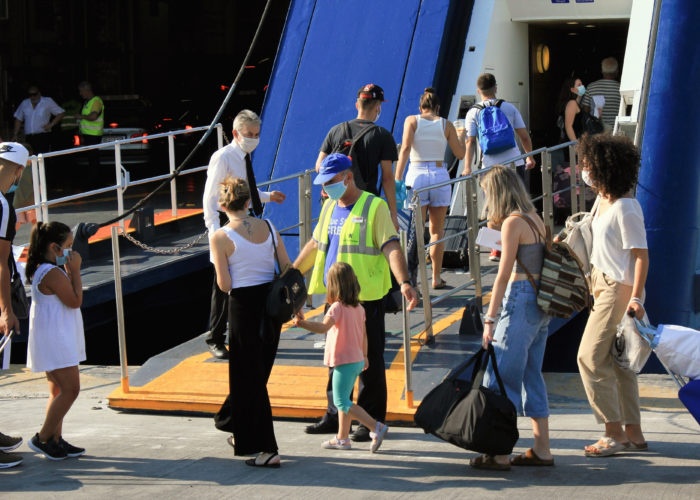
<point>620,263</point>
<point>425,137</point>
<point>244,259</point>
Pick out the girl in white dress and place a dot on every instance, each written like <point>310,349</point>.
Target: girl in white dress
<point>56,338</point>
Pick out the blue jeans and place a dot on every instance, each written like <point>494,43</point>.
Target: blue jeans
<point>519,342</point>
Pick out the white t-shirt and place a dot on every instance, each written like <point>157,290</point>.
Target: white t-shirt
<point>35,118</point>
<point>615,234</point>
<point>515,119</point>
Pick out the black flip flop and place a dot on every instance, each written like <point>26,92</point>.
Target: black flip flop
<point>266,463</point>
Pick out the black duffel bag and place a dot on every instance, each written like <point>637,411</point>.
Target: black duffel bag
<point>475,418</point>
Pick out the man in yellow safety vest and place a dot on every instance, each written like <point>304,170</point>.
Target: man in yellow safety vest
<point>356,227</point>
<point>91,124</point>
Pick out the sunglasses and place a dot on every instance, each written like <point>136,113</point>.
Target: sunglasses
<point>33,94</point>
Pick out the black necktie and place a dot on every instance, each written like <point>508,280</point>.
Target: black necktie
<point>254,196</point>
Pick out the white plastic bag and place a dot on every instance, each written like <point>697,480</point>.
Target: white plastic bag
<point>630,350</point>
<point>678,348</point>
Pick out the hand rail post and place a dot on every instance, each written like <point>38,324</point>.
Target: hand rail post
<point>219,136</point>
<point>173,182</point>
<point>407,355</point>
<point>547,203</point>
<point>303,222</point>
<point>573,160</point>
<point>42,184</point>
<point>422,267</point>
<point>36,185</point>
<point>120,183</point>
<point>120,310</point>
<point>573,178</point>
<point>473,222</point>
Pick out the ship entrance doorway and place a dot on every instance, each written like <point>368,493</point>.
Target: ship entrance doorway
<point>573,49</point>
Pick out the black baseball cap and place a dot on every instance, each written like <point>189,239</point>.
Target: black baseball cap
<point>371,91</point>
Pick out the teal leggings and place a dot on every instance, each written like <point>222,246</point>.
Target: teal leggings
<point>344,377</point>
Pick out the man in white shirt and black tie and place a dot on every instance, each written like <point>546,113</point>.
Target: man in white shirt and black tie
<point>231,161</point>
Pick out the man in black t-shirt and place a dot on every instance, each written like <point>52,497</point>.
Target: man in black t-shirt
<point>375,150</point>
<point>13,158</point>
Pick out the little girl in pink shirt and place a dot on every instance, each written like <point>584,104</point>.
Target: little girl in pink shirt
<point>346,352</point>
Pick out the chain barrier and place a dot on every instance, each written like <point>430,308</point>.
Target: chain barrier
<point>170,251</point>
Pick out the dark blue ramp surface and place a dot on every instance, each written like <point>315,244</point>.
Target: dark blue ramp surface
<point>328,50</point>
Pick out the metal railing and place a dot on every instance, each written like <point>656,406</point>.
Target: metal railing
<point>473,223</point>
<point>123,181</point>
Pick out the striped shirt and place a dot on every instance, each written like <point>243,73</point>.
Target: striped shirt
<point>610,89</point>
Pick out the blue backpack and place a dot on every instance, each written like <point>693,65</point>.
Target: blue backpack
<point>496,134</point>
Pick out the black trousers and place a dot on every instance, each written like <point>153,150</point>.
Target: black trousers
<point>372,395</point>
<point>94,173</point>
<point>40,143</point>
<point>217,311</point>
<point>246,412</point>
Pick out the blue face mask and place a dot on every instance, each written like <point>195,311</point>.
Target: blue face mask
<point>12,189</point>
<point>336,190</point>
<point>62,259</point>
<point>581,89</point>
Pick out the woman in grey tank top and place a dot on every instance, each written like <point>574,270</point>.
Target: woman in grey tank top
<point>519,335</point>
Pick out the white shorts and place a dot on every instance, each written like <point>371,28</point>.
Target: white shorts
<point>425,174</point>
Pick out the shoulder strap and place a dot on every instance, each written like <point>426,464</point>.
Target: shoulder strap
<point>347,131</point>
<point>362,132</point>
<point>498,103</point>
<point>274,247</point>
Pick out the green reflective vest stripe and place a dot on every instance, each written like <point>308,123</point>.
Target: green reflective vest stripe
<point>92,127</point>
<point>355,247</point>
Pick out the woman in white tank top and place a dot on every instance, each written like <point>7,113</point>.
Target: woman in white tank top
<point>244,259</point>
<point>425,137</point>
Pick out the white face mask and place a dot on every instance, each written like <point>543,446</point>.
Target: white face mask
<point>247,144</point>
<point>586,177</point>
<point>378,115</point>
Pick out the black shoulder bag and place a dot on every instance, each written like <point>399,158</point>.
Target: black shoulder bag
<point>287,293</point>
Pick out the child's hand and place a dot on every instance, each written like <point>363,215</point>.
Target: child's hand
<point>366,363</point>
<point>73,263</point>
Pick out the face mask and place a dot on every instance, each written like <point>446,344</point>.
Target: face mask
<point>247,144</point>
<point>62,259</point>
<point>12,189</point>
<point>336,190</point>
<point>581,89</point>
<point>378,115</point>
<point>586,177</point>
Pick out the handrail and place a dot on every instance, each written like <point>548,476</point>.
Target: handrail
<point>473,221</point>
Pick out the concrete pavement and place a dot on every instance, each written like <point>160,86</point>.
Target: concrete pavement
<point>156,456</point>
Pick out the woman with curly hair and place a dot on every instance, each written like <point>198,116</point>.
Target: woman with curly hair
<point>620,261</point>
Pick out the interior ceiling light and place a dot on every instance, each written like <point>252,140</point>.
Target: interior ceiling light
<point>572,34</point>
<point>542,58</point>
<point>572,22</point>
<point>589,26</point>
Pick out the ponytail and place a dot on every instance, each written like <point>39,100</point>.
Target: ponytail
<point>430,100</point>
<point>43,234</point>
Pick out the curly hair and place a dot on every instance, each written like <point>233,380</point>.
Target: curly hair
<point>612,161</point>
<point>233,193</point>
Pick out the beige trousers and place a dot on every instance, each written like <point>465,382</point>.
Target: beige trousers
<point>612,391</point>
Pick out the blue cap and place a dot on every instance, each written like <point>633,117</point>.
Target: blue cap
<point>331,165</point>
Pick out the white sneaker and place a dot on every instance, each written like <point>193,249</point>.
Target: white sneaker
<point>337,444</point>
<point>378,437</point>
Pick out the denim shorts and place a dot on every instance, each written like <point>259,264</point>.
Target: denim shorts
<point>519,342</point>
<point>425,174</point>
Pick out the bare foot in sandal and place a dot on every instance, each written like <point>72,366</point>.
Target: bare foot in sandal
<point>604,447</point>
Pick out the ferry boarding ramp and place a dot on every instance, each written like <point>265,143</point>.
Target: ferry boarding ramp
<point>421,346</point>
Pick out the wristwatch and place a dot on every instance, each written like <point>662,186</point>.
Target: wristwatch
<point>406,282</point>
